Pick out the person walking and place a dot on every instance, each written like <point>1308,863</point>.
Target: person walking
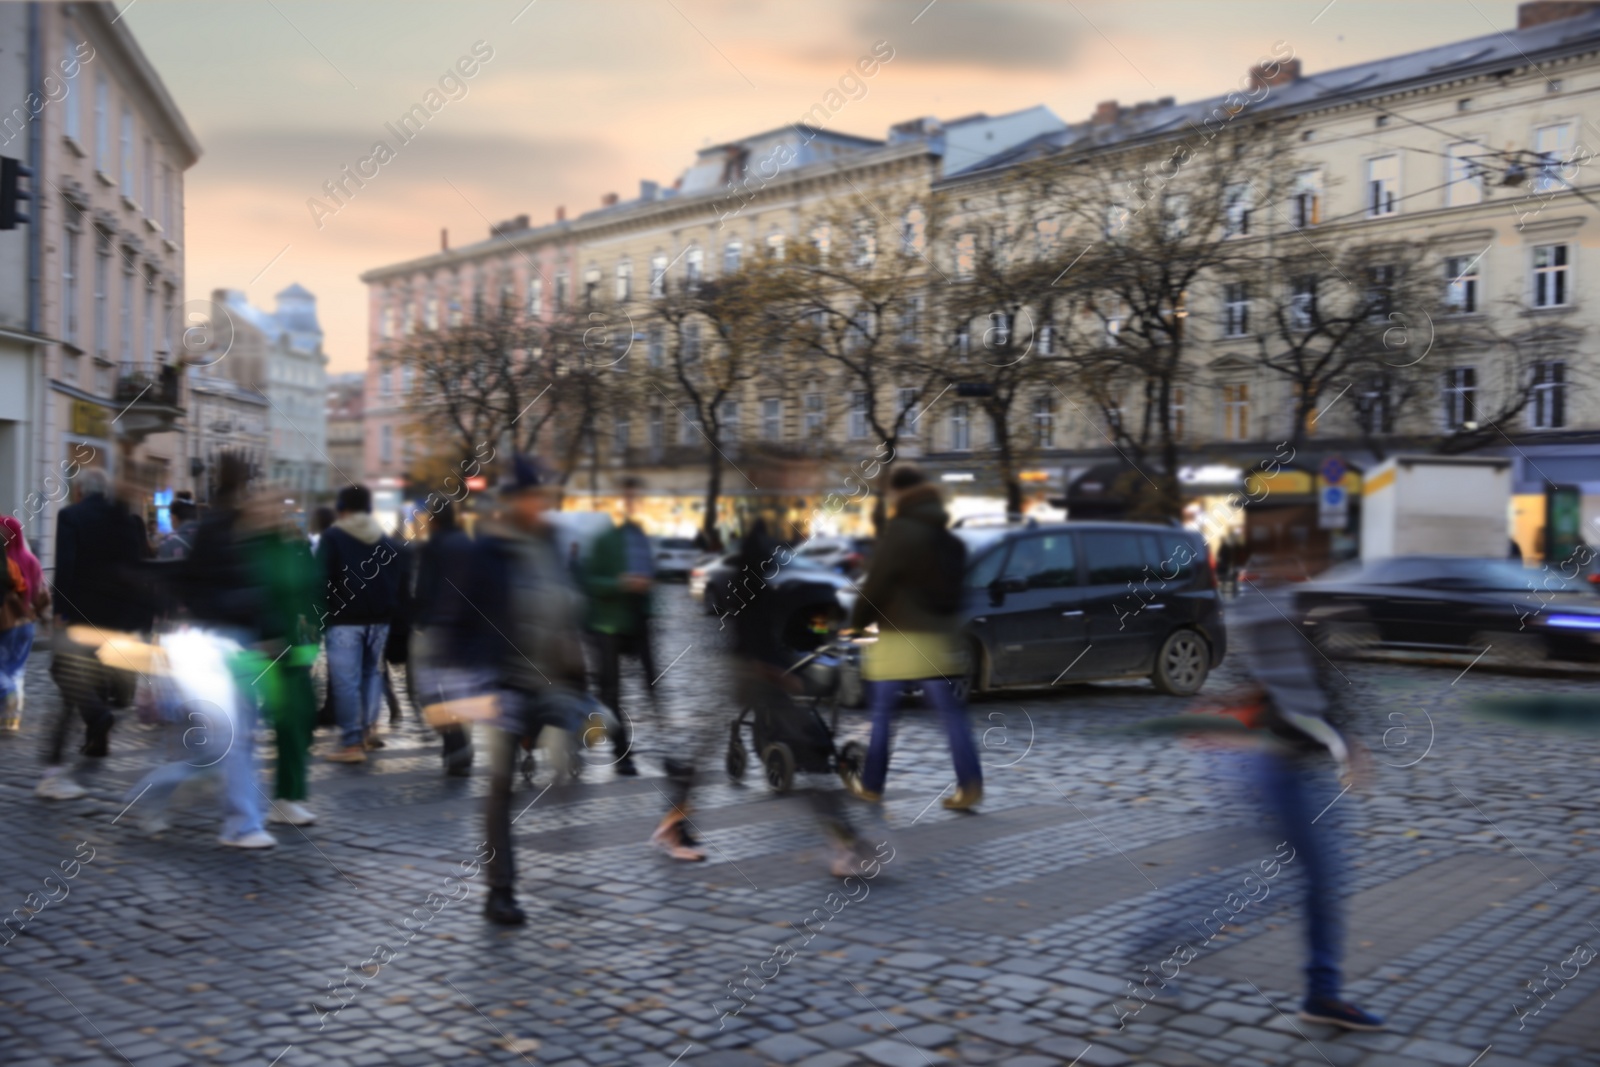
<point>618,575</point>
<point>1292,773</point>
<point>361,568</point>
<point>443,569</point>
<point>100,590</point>
<point>185,523</point>
<point>26,600</point>
<point>913,593</point>
<point>529,639</point>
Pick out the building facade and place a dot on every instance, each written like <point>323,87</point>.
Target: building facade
<point>101,385</point>
<point>224,417</point>
<point>346,429</point>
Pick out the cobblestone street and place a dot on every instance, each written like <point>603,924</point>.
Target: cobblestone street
<point>1010,936</point>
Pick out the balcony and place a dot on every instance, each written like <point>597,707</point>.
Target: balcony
<point>151,398</point>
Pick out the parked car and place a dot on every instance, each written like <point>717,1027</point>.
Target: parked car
<point>1513,614</point>
<point>675,556</point>
<point>700,574</point>
<point>1089,601</point>
<point>718,583</point>
<point>847,555</point>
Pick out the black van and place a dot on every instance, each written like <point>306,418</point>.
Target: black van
<point>1083,601</point>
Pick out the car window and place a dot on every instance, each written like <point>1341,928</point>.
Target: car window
<point>1046,561</point>
<point>1114,558</point>
<point>986,569</point>
<point>1180,556</point>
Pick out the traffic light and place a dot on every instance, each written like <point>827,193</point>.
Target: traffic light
<point>13,199</point>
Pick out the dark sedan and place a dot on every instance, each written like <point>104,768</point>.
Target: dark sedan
<point>1514,615</point>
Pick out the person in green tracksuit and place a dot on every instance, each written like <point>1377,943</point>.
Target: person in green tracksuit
<point>291,580</point>
<point>617,575</point>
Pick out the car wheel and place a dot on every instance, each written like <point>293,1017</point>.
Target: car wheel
<point>1182,664</point>
<point>1346,637</point>
<point>1510,649</point>
<point>779,762</point>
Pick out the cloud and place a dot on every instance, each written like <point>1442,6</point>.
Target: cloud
<point>994,35</point>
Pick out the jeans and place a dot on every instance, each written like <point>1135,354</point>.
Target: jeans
<point>355,674</point>
<point>529,713</point>
<point>15,644</point>
<point>1295,797</point>
<point>885,698</point>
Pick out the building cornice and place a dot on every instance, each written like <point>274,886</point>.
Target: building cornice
<point>108,24</point>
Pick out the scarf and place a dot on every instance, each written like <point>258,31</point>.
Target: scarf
<point>17,552</point>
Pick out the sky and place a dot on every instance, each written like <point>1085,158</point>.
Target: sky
<point>579,98</point>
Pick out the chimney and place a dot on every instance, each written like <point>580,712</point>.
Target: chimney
<point>1540,12</point>
<point>609,200</point>
<point>1106,113</point>
<point>561,214</point>
<point>522,222</point>
<point>444,240</point>
<point>649,190</point>
<point>1288,72</point>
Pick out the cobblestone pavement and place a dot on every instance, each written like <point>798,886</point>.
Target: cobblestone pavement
<point>1007,937</point>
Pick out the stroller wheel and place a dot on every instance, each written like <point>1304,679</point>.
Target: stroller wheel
<point>738,756</point>
<point>779,761</point>
<point>852,758</point>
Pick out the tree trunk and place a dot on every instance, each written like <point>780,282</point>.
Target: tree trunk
<point>708,523</point>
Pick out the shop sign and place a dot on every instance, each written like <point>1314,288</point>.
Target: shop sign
<point>89,419</point>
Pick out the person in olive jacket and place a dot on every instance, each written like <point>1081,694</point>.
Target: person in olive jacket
<point>618,574</point>
<point>908,592</point>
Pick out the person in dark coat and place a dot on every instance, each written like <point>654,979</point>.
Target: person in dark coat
<point>917,641</point>
<point>101,587</point>
<point>618,575</point>
<point>443,566</point>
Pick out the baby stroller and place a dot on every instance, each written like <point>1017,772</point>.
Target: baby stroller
<point>792,728</point>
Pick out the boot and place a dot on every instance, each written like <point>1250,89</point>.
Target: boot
<point>501,908</point>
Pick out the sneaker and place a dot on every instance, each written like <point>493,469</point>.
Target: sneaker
<point>458,764</point>
<point>853,786</point>
<point>254,839</point>
<point>501,908</point>
<point>372,741</point>
<point>290,813</point>
<point>1339,1013</point>
<point>58,785</point>
<point>965,798</point>
<point>671,839</point>
<point>11,722</point>
<point>348,754</point>
<point>848,859</point>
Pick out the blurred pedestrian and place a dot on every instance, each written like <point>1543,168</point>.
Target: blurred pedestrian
<point>913,593</point>
<point>100,590</point>
<point>26,600</point>
<point>322,518</point>
<point>532,613</point>
<point>185,522</point>
<point>359,565</point>
<point>439,613</point>
<point>1227,562</point>
<point>1293,773</point>
<point>619,575</point>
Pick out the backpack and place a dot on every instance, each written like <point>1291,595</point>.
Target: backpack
<point>946,585</point>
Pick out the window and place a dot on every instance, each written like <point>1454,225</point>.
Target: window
<point>591,287</point>
<point>169,297</point>
<point>656,429</point>
<point>1235,310</point>
<point>658,275</point>
<point>1383,186</point>
<point>1554,145</point>
<point>1236,411</point>
<point>536,296</point>
<point>775,246</point>
<point>169,185</point>
<point>1464,175</point>
<point>125,316</point>
<point>1460,397</point>
<point>866,243</point>
<point>125,153</point>
<point>1047,561</point>
<point>1461,284</point>
<point>1380,291</point>
<point>732,252</point>
<point>386,449</point>
<point>960,427</point>
<point>1117,216</point>
<point>1550,276</point>
<point>563,284</point>
<point>911,320</point>
<point>1303,302</point>
<point>694,266</point>
<point>982,573</point>
<point>1114,558</point>
<point>1044,422</point>
<point>691,342</point>
<point>858,415</point>
<point>453,315</point>
<point>149,197</point>
<point>913,231</point>
<point>624,280</point>
<point>1045,339</point>
<point>822,241</point>
<point>1374,411</point>
<point>814,414</point>
<point>1175,215</point>
<point>998,335</point>
<point>69,287</point>
<point>1307,199</point>
<point>963,341</point>
<point>69,103</point>
<point>689,427</point>
<point>1239,200</point>
<point>1547,406</point>
<point>102,124</point>
<point>621,434</point>
<point>656,350</point>
<point>385,381</point>
<point>966,256</point>
<point>771,419</point>
<point>430,312</point>
<point>728,420</point>
<point>906,401</point>
<point>1178,411</point>
<point>150,317</point>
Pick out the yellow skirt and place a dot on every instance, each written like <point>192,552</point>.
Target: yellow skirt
<point>899,657</point>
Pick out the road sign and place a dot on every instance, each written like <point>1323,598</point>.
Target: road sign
<point>1333,470</point>
<point>1333,508</point>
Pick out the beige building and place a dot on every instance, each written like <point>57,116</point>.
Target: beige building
<point>100,385</point>
<point>346,429</point>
